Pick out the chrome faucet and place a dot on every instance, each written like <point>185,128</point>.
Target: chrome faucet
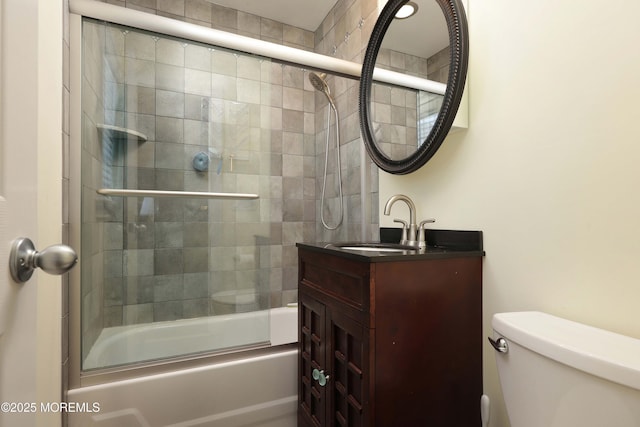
<point>412,234</point>
<point>412,230</point>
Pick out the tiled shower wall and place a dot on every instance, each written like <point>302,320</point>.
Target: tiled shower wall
<point>296,135</point>
<point>162,259</point>
<point>344,34</point>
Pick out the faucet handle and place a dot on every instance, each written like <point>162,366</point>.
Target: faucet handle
<point>422,241</point>
<point>426,221</point>
<point>405,226</point>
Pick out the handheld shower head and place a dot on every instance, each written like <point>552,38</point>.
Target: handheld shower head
<point>319,82</point>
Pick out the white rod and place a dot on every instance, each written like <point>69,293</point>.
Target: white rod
<point>160,24</point>
<point>183,194</point>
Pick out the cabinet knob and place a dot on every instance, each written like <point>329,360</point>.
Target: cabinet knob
<point>319,376</point>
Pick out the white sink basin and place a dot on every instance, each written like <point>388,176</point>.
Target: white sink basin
<point>374,247</point>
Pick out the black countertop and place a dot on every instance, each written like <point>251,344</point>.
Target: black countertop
<point>441,244</point>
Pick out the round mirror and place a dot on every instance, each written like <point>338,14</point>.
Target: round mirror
<point>412,81</point>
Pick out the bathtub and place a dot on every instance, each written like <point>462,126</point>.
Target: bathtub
<point>255,389</point>
<point>123,345</point>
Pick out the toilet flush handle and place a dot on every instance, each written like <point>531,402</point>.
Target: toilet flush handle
<point>500,345</point>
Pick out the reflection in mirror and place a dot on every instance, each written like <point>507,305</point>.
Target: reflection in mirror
<point>402,118</point>
<point>395,119</point>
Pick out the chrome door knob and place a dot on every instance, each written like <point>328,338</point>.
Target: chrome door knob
<point>23,259</point>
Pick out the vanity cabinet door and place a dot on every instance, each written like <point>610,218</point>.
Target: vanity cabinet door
<point>350,375</point>
<point>312,343</point>
<point>336,347</point>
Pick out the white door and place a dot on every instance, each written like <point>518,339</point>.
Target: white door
<point>31,36</point>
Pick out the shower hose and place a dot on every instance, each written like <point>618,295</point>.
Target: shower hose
<point>338,167</point>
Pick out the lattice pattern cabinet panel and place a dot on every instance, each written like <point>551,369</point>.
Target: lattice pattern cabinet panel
<point>348,342</point>
<point>312,322</point>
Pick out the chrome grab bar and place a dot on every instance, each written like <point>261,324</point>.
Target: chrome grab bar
<point>183,194</point>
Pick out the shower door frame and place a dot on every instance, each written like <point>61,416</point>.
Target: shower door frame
<point>77,377</point>
<point>144,21</point>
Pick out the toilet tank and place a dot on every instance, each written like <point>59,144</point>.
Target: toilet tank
<point>559,373</point>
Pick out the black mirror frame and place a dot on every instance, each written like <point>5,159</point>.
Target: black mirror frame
<point>459,49</point>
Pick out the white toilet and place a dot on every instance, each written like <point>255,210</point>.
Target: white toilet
<point>559,373</point>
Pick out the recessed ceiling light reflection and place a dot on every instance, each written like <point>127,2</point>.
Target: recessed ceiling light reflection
<point>407,10</point>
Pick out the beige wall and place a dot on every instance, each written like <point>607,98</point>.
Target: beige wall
<point>548,168</point>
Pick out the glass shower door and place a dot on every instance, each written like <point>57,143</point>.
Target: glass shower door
<point>176,226</point>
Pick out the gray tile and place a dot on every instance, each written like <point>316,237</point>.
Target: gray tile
<point>195,308</point>
<point>170,104</point>
<point>271,29</point>
<point>196,107</point>
<point>169,179</point>
<point>169,155</point>
<point>139,235</point>
<point>197,82</point>
<point>224,17</point>
<point>140,178</point>
<point>140,99</point>
<point>113,316</point>
<point>112,264</point>
<point>293,210</point>
<point>170,77</point>
<point>292,121</point>
<point>138,290</point>
<point>197,57</point>
<point>169,129</point>
<point>140,46</point>
<point>195,210</point>
<point>113,291</point>
<point>249,23</point>
<point>169,234</point>
<point>196,285</point>
<point>114,98</point>
<point>196,181</point>
<point>198,9</point>
<point>168,209</point>
<point>114,41</point>
<point>248,91</point>
<point>174,7</point>
<point>139,73</point>
<point>168,261</point>
<point>196,132</point>
<point>293,77</point>
<point>292,98</point>
<point>196,260</point>
<point>196,234</point>
<point>168,310</point>
<point>223,62</point>
<point>292,187</point>
<point>168,288</point>
<point>137,313</point>
<point>113,235</point>
<point>138,262</point>
<point>170,52</point>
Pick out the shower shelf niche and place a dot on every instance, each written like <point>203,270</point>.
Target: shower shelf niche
<point>117,133</point>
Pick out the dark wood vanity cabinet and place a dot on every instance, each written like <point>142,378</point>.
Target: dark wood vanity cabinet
<point>394,342</point>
